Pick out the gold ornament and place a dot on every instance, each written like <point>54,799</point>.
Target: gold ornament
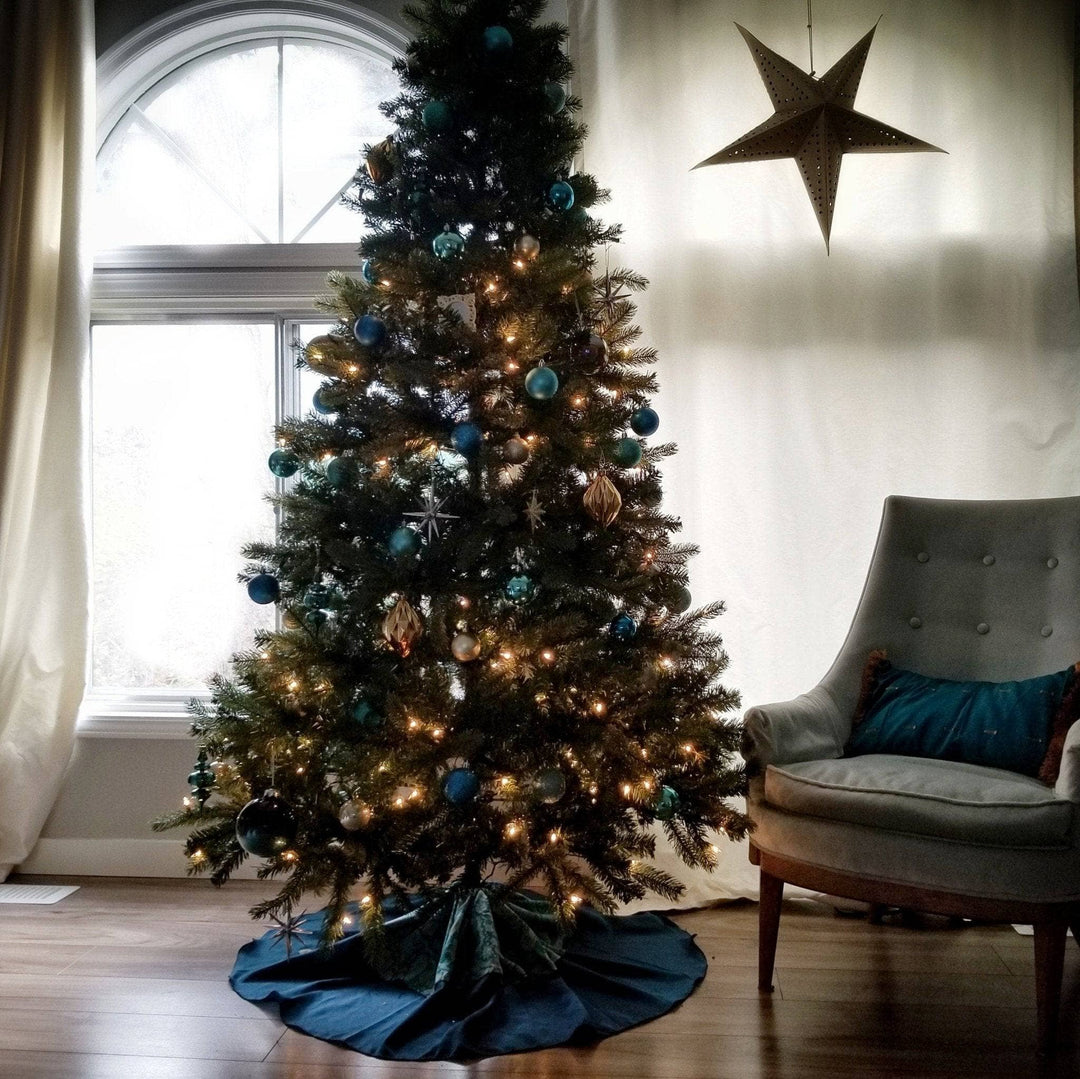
<point>328,355</point>
<point>602,500</point>
<point>402,627</point>
<point>381,160</point>
<point>465,647</point>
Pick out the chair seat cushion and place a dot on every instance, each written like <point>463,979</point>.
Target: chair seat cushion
<point>946,799</point>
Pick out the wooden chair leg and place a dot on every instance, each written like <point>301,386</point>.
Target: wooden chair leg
<point>1049,961</point>
<point>772,895</point>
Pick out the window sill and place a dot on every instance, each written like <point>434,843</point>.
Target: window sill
<point>162,716</point>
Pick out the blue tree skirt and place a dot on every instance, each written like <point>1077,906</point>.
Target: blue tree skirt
<point>476,973</point>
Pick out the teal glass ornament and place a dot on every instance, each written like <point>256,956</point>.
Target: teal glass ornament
<point>320,403</point>
<point>666,804</point>
<point>555,93</point>
<point>283,463</point>
<point>561,195</point>
<point>467,439</point>
<point>316,596</point>
<point>627,452</point>
<point>623,627</point>
<point>266,826</point>
<point>338,472</point>
<point>404,542</point>
<point>201,777</point>
<point>520,587</point>
<point>550,785</point>
<point>437,117</point>
<point>264,588</point>
<point>367,272</point>
<point>644,422</point>
<point>498,41</point>
<point>448,244</point>
<point>542,383</point>
<point>460,786</point>
<point>369,331</point>
<point>365,715</point>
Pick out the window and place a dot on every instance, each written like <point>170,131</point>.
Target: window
<point>225,143</point>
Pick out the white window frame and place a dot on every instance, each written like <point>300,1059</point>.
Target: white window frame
<point>275,283</point>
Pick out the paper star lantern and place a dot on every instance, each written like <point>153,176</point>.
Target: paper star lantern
<point>815,122</point>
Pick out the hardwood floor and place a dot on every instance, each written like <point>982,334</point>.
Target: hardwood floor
<point>126,979</point>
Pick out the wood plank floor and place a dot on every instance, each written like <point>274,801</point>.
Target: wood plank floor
<point>126,979</point>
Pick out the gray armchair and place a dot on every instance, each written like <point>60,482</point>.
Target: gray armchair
<point>964,590</point>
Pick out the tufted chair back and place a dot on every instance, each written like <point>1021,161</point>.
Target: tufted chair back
<point>968,590</point>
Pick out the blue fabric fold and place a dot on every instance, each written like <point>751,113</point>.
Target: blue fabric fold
<point>501,977</point>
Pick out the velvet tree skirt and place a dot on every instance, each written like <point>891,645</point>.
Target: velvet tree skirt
<point>473,973</point>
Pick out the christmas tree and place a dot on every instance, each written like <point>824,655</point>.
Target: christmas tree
<point>486,665</point>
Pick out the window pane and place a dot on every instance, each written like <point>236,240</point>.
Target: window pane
<point>182,425</point>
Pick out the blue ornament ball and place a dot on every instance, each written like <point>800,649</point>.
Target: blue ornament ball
<point>283,463</point>
<point>367,272</point>
<point>666,804</point>
<point>519,587</point>
<point>467,439</point>
<point>555,93</point>
<point>437,117</point>
<point>369,331</point>
<point>266,825</point>
<point>460,786</point>
<point>623,627</point>
<point>448,244</point>
<point>404,542</point>
<point>645,421</point>
<point>681,601</point>
<point>320,403</point>
<point>264,588</point>
<point>550,785</point>
<point>365,715</point>
<point>627,452</point>
<point>542,383</point>
<point>498,41</point>
<point>561,195</point>
<point>338,472</point>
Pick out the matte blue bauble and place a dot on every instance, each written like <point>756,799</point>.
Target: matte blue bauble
<point>448,244</point>
<point>561,195</point>
<point>283,463</point>
<point>404,542</point>
<point>627,452</point>
<point>542,383</point>
<point>367,272</point>
<point>681,601</point>
<point>266,826</point>
<point>519,587</point>
<point>264,588</point>
<point>644,422</point>
<point>550,785</point>
<point>338,471</point>
<point>365,715</point>
<point>555,93</point>
<point>666,804</point>
<point>437,117</point>
<point>369,331</point>
<point>460,786</point>
<point>321,404</point>
<point>623,627</point>
<point>498,41</point>
<point>467,439</point>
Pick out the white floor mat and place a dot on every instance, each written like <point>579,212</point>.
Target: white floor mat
<point>35,893</point>
<point>1029,930</point>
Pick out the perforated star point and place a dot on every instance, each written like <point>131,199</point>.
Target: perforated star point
<point>815,122</point>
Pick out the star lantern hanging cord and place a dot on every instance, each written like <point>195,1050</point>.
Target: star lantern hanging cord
<point>815,122</point>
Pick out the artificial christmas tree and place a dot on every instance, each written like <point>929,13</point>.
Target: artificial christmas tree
<point>486,676</point>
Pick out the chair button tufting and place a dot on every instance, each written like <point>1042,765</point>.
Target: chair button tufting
<point>988,560</point>
<point>915,623</point>
<point>922,556</point>
<point>982,628</point>
<point>1051,563</point>
<point>1046,630</point>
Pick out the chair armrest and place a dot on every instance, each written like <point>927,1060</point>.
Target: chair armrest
<point>1068,781</point>
<point>808,728</point>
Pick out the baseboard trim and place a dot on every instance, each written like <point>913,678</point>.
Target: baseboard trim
<point>115,858</point>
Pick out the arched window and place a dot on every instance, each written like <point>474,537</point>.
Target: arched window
<point>227,136</point>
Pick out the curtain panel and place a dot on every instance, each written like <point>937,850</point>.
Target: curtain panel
<point>934,352</point>
<point>46,168</point>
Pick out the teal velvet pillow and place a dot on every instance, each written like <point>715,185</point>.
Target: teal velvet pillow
<point>999,724</point>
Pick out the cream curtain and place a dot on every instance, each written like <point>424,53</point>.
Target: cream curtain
<point>46,163</point>
<point>935,352</point>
